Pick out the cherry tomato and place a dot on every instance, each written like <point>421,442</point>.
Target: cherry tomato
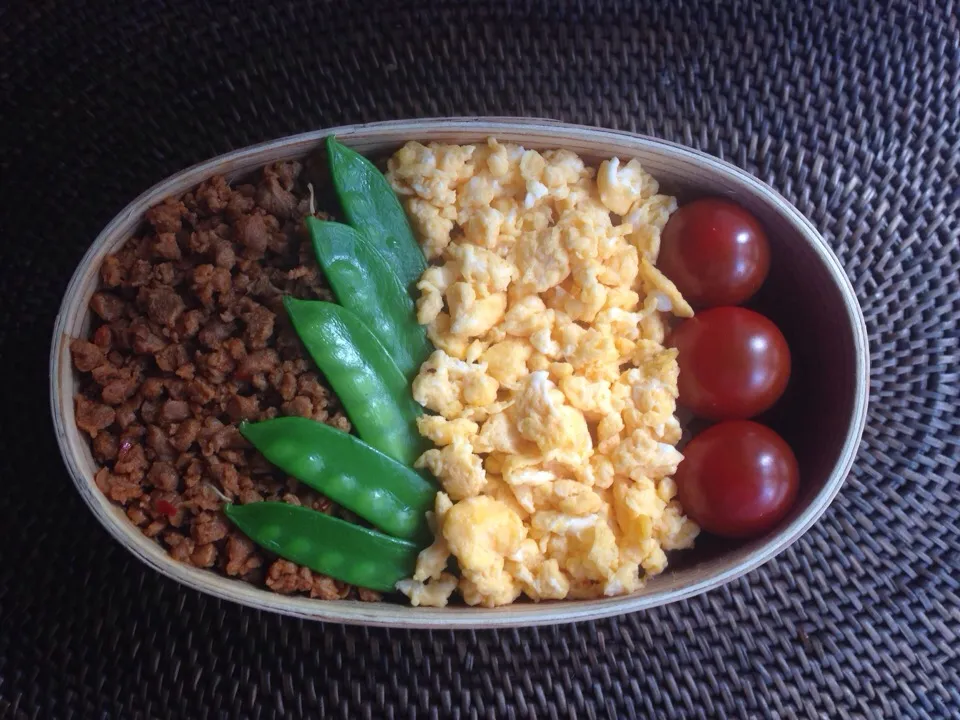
<point>715,252</point>
<point>734,363</point>
<point>737,479</point>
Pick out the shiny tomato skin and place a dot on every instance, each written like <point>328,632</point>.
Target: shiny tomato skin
<point>738,479</point>
<point>715,252</point>
<point>734,363</point>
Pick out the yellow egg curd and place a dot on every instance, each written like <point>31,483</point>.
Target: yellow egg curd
<point>553,395</point>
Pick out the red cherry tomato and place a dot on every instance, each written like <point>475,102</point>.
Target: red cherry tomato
<point>737,479</point>
<point>734,363</point>
<point>715,252</point>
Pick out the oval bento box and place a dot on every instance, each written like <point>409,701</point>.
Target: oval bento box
<point>807,294</point>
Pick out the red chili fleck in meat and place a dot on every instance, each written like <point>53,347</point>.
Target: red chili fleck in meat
<point>166,507</point>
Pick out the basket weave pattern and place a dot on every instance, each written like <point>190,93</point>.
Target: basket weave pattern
<point>850,109</point>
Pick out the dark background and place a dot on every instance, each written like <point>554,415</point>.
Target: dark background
<point>850,109</point>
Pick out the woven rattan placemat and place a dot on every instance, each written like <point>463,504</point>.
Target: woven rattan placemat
<point>850,109</point>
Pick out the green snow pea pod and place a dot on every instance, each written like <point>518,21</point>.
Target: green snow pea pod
<point>365,284</point>
<point>387,494</point>
<point>373,209</point>
<point>328,545</point>
<point>374,392</point>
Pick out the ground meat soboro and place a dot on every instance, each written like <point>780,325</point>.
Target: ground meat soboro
<point>189,338</point>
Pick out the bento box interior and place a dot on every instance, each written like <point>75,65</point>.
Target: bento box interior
<point>801,295</point>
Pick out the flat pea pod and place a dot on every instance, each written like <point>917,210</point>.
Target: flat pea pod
<point>372,207</point>
<point>387,494</point>
<point>327,545</point>
<point>365,284</point>
<point>374,392</point>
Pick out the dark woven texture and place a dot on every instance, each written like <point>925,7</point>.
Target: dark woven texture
<point>848,109</point>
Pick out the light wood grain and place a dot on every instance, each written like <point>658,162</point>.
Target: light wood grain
<point>673,165</point>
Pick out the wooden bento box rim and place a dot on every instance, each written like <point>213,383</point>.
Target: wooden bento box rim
<point>387,135</point>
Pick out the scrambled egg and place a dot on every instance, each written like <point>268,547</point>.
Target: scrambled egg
<point>552,395</point>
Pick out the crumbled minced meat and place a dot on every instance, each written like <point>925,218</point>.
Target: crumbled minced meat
<point>190,338</point>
